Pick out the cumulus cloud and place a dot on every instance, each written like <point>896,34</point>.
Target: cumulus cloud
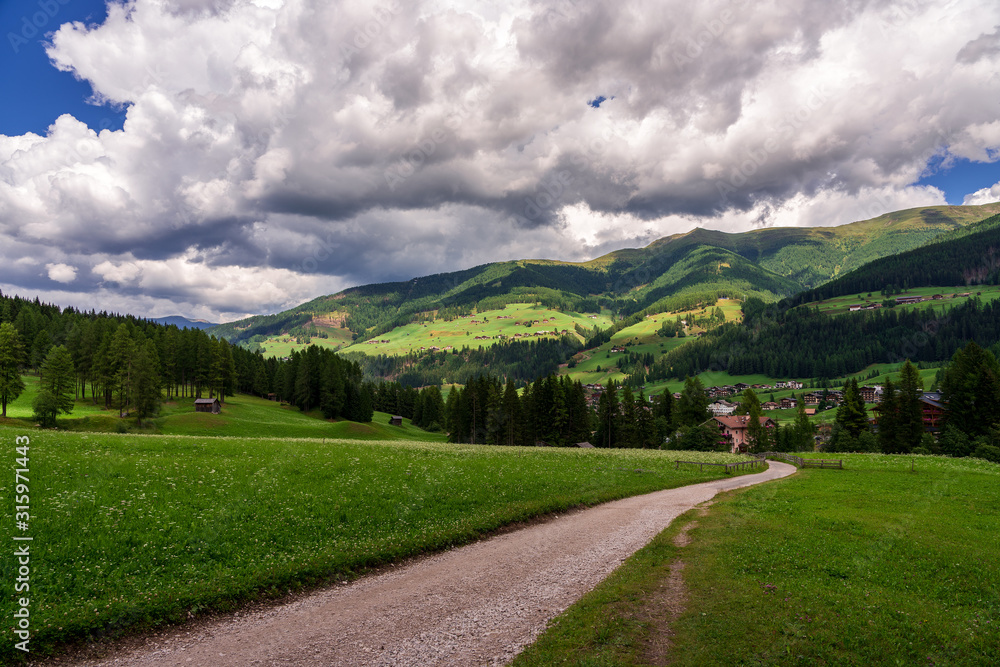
<point>983,196</point>
<point>61,273</point>
<point>286,149</point>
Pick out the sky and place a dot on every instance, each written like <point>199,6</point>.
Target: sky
<point>219,158</point>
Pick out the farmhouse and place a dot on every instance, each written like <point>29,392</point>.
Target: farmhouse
<point>788,403</point>
<point>770,405</point>
<point>909,299</point>
<point>734,430</point>
<point>207,405</point>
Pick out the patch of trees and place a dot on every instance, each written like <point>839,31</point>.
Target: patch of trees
<point>518,360</point>
<point>129,365</point>
<point>805,343</point>
<point>971,259</point>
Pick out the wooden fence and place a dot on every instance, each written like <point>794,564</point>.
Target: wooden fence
<point>730,467</point>
<point>800,462</point>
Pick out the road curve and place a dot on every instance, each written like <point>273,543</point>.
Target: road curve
<point>476,605</point>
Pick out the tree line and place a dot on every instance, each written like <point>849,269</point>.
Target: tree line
<point>130,365</point>
<point>803,342</point>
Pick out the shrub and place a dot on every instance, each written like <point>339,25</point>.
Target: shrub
<point>987,452</point>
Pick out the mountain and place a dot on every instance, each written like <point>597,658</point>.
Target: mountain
<point>954,300</point>
<point>672,273</point>
<point>182,322</point>
<point>970,255</point>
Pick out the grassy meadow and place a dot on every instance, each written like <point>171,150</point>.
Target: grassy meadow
<point>462,331</point>
<point>842,304</point>
<point>241,416</point>
<point>133,531</point>
<point>870,565</point>
<point>641,338</point>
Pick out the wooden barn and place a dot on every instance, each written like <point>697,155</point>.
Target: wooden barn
<point>395,420</point>
<point>207,405</point>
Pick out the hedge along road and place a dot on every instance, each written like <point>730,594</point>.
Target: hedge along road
<point>478,604</point>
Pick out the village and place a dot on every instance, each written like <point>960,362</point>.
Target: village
<point>734,428</point>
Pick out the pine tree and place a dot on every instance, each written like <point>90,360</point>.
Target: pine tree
<point>851,414</point>
<point>757,433</point>
<point>804,430</point>
<point>59,377</point>
<point>888,421</point>
<point>11,359</point>
<point>146,382</point>
<point>971,390</point>
<point>511,409</point>
<point>692,407</point>
<point>910,420</point>
<point>629,436</point>
<point>607,417</point>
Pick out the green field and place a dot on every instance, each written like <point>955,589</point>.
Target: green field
<point>462,331</point>
<point>842,304</point>
<point>871,565</point>
<point>241,416</point>
<point>21,408</point>
<point>133,531</point>
<point>640,338</point>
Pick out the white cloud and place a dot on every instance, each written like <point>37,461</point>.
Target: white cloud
<point>61,273</point>
<point>284,149</point>
<point>988,195</point>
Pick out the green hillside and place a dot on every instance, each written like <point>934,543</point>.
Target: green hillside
<point>672,274</point>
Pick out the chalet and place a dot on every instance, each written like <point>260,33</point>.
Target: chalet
<point>932,408</point>
<point>788,403</point>
<point>909,299</point>
<point>855,307</point>
<point>733,430</point>
<point>812,398</point>
<point>739,386</point>
<point>810,411</point>
<point>396,420</point>
<point>722,408</point>
<point>207,405</point>
<point>770,405</point>
<point>870,394</point>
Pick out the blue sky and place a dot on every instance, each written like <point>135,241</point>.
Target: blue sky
<point>961,177</point>
<point>277,151</point>
<point>35,93</point>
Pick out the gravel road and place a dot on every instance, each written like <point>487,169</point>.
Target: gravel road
<point>475,605</point>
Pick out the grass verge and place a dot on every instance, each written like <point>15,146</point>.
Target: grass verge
<point>873,564</point>
<point>131,532</point>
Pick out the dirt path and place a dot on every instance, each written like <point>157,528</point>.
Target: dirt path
<point>475,605</point>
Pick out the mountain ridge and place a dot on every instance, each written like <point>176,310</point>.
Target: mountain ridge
<point>672,272</point>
